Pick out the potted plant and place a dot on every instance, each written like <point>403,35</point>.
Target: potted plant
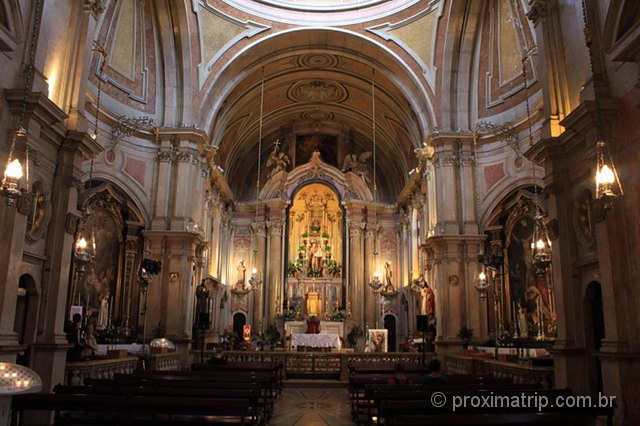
<point>261,340</point>
<point>465,334</point>
<point>289,315</point>
<point>338,315</point>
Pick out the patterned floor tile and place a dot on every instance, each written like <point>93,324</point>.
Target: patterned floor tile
<point>312,407</point>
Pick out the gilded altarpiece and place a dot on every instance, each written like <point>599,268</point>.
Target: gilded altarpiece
<point>315,251</point>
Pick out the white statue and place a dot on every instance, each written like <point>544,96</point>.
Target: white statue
<point>103,313</point>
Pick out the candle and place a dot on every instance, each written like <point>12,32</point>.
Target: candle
<point>19,383</point>
<point>25,383</point>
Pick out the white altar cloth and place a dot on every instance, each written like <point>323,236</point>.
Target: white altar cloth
<point>316,340</point>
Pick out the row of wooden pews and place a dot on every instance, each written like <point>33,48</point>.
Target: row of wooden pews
<point>376,402</point>
<point>231,393</point>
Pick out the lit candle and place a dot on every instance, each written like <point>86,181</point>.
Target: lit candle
<point>25,383</point>
<point>19,383</point>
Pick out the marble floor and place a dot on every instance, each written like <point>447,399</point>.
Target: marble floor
<point>312,407</point>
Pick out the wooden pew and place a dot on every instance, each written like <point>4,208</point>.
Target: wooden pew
<point>259,409</point>
<point>146,410</point>
<point>277,368</point>
<point>557,419</point>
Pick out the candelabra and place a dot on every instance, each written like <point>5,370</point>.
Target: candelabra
<point>493,265</point>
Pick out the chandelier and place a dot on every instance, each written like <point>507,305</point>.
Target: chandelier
<point>14,172</point>
<point>608,186</point>
<point>540,243</point>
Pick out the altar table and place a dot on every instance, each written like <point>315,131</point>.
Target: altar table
<point>316,340</point>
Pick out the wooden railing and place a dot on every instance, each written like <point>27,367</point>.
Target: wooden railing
<point>519,373</point>
<point>315,362</point>
<point>77,372</point>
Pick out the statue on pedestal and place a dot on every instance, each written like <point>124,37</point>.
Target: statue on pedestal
<point>388,274</point>
<point>242,271</point>
<point>103,313</point>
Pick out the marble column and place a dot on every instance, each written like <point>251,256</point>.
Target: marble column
<point>12,227</point>
<point>259,231</point>
<point>356,273</point>
<point>49,351</point>
<point>370,298</point>
<point>166,157</point>
<point>276,265</point>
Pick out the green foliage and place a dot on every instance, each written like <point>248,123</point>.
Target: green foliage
<point>325,235</point>
<point>327,249</point>
<point>305,235</point>
<point>289,315</point>
<point>273,335</point>
<point>338,315</point>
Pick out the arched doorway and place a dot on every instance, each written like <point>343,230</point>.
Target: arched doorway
<point>594,333</point>
<point>239,321</point>
<point>390,325</point>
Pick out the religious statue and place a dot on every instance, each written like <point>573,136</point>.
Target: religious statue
<point>423,154</point>
<point>242,270</point>
<point>357,163</point>
<point>429,301</point>
<point>388,275</point>
<point>523,328</point>
<point>103,313</point>
<point>315,257</point>
<point>202,296</point>
<point>278,160</point>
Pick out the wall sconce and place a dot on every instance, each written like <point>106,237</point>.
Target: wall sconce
<point>375,284</point>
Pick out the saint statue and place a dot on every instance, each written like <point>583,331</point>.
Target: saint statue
<point>242,270</point>
<point>429,302</point>
<point>202,295</point>
<point>315,257</point>
<point>523,328</point>
<point>388,274</point>
<point>278,160</point>
<point>103,313</point>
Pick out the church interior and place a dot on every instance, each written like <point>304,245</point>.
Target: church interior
<point>319,212</point>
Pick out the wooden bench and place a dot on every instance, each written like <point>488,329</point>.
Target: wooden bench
<point>113,409</point>
<point>558,419</point>
<point>259,407</point>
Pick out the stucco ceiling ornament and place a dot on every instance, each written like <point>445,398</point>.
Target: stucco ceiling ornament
<point>127,126</point>
<point>504,132</point>
<point>317,91</point>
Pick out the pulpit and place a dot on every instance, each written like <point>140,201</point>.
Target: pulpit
<point>314,303</point>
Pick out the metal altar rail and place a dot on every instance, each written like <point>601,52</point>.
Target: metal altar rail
<point>519,373</point>
<point>315,363</point>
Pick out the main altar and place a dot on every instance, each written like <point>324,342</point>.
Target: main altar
<point>314,285</point>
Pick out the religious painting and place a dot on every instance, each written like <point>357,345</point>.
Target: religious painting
<point>97,286</point>
<point>326,144</point>
<point>377,340</point>
<point>530,295</point>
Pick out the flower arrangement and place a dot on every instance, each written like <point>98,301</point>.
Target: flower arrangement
<point>338,315</point>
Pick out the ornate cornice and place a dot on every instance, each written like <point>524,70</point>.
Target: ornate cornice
<point>95,6</point>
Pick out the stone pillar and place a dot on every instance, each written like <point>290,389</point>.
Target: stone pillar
<point>49,351</point>
<point>276,265</point>
<point>12,226</point>
<point>356,272</point>
<point>185,190</point>
<point>130,272</point>
<point>172,293</point>
<point>165,156</point>
<point>259,231</point>
<point>370,299</point>
<point>446,188</point>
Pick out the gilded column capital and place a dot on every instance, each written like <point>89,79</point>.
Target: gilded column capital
<point>165,154</point>
<point>275,228</point>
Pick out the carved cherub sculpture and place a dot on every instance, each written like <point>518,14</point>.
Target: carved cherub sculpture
<point>357,163</point>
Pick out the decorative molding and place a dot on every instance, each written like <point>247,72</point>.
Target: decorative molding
<point>95,6</point>
<point>317,91</point>
<point>385,31</point>
<point>250,29</point>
